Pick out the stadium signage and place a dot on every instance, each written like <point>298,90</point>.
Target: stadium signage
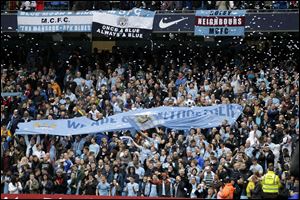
<point>55,21</point>
<point>174,22</point>
<point>135,23</point>
<point>220,23</point>
<point>181,118</point>
<point>166,22</point>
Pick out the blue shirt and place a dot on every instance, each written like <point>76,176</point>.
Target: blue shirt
<point>78,80</point>
<point>153,192</point>
<point>103,189</point>
<point>294,196</point>
<point>200,162</point>
<point>94,148</point>
<point>249,152</point>
<point>67,165</point>
<point>130,189</point>
<point>78,146</point>
<point>89,83</point>
<point>179,82</point>
<point>52,153</point>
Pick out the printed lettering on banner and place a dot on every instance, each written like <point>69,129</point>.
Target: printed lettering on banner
<point>181,118</point>
<point>220,22</point>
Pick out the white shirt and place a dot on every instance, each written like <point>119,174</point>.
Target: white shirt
<point>94,114</point>
<point>34,149</point>
<point>39,154</point>
<point>140,171</point>
<point>78,80</point>
<point>253,139</point>
<point>258,133</point>
<point>256,168</point>
<point>131,187</point>
<point>287,143</point>
<point>71,96</point>
<point>15,189</point>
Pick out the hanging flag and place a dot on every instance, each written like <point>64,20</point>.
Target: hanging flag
<point>135,23</point>
<point>220,22</point>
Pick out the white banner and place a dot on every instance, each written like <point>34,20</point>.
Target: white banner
<point>135,23</point>
<point>55,21</point>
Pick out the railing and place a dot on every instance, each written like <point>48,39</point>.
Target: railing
<point>188,11</point>
<point>50,5</point>
<point>248,10</point>
<point>64,196</point>
<point>67,5</point>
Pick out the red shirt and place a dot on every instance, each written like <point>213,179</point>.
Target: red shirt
<point>40,5</point>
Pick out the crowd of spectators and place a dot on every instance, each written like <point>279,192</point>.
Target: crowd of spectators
<point>152,5</point>
<point>262,77</point>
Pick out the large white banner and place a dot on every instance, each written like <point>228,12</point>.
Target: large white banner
<point>135,23</point>
<point>55,21</point>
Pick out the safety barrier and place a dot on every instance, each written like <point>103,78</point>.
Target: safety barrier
<point>63,196</point>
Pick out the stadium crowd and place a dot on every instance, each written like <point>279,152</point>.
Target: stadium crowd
<point>152,5</point>
<point>224,162</point>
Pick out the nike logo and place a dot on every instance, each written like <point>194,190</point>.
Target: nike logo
<point>163,24</point>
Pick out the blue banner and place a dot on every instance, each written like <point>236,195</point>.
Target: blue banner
<point>55,21</point>
<point>180,118</point>
<point>11,94</point>
<point>220,22</point>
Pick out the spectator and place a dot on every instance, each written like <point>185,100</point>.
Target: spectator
<point>14,187</point>
<point>46,185</point>
<point>266,157</point>
<point>14,120</point>
<point>94,147</point>
<point>90,185</point>
<point>5,179</point>
<point>211,194</point>
<point>254,189</point>
<point>227,191</point>
<point>132,187</point>
<point>78,145</point>
<point>32,185</point>
<point>115,189</point>
<point>56,88</point>
<point>164,188</point>
<point>225,5</point>
<point>60,182</point>
<point>179,190</point>
<point>255,167</point>
<point>103,188</point>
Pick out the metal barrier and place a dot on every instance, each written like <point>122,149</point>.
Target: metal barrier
<point>64,196</point>
<point>52,5</point>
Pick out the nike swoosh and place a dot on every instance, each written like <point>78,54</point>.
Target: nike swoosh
<point>162,24</point>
